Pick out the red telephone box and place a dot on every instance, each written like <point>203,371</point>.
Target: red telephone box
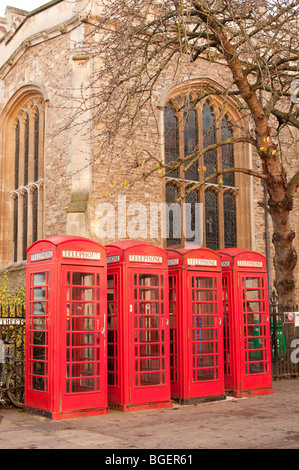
<point>247,341</point>
<point>138,329</point>
<point>66,289</point>
<point>195,311</point>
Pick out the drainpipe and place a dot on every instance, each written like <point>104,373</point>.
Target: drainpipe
<point>264,204</point>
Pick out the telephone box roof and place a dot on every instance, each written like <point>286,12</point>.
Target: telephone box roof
<point>60,239</point>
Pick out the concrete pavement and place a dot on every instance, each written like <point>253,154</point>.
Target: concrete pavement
<point>262,422</point>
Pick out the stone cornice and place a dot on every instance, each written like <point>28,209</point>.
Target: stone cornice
<point>41,36</point>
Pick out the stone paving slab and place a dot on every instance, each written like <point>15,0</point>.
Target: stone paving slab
<point>261,422</point>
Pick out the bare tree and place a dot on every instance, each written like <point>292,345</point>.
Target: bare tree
<point>141,43</point>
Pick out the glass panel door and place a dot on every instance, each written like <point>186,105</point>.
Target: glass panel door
<point>204,327</point>
<point>227,326</point>
<point>254,317</point>
<point>38,332</point>
<point>82,335</point>
<point>112,327</point>
<point>173,281</point>
<point>149,326</point>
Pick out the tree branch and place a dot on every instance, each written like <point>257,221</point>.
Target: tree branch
<point>293,185</point>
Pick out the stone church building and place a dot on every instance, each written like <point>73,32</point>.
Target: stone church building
<point>51,182</point>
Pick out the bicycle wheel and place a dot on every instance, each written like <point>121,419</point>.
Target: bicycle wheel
<point>15,387</point>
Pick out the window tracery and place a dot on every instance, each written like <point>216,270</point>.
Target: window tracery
<point>192,125</point>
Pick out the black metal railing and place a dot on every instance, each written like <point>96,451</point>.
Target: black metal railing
<point>284,340</point>
<point>12,328</point>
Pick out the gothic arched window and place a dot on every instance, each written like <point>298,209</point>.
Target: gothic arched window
<point>191,126</point>
<point>23,144</point>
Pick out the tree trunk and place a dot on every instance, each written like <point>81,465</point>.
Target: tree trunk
<point>285,257</point>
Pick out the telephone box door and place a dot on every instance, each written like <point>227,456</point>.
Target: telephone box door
<point>204,335</point>
<point>149,336</point>
<point>255,334</point>
<point>83,375</point>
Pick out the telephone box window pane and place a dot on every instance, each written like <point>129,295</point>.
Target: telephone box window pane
<point>149,365</point>
<point>204,374</point>
<point>154,350</point>
<point>38,383</point>
<point>82,309</point>
<point>204,282</point>
<point>39,339</point>
<point>148,280</point>
<point>39,324</point>
<point>38,368</point>
<point>38,353</point>
<point>39,293</point>
<point>253,283</point>
<point>39,279</point>
<point>148,294</point>
<point>150,379</point>
<point>83,279</point>
<point>257,368</point>
<point>39,308</point>
<point>82,324</point>
<point>204,296</point>
<point>79,293</point>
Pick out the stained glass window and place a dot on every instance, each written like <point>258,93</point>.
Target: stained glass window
<point>183,120</point>
<point>230,223</point>
<point>227,152</point>
<point>171,130</point>
<point>25,221</point>
<point>15,230</point>
<point>190,140</point>
<point>26,151</point>
<point>27,180</point>
<point>172,224</point>
<point>15,205</point>
<point>36,144</point>
<point>209,138</point>
<point>192,199</point>
<point>211,219</point>
<point>17,155</point>
<point>34,215</point>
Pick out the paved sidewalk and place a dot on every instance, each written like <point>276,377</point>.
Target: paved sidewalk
<point>263,422</point>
